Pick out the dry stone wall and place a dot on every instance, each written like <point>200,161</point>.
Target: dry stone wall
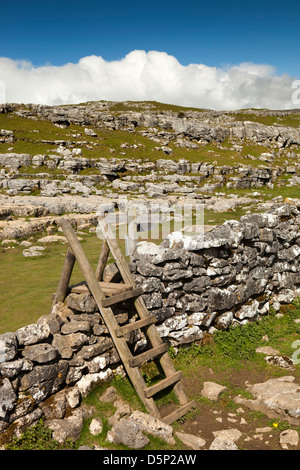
<point>193,285</point>
<point>232,275</point>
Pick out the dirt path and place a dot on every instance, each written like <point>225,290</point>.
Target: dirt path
<point>258,431</point>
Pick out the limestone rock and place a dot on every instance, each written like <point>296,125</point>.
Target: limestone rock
<point>73,397</point>
<point>281,361</point>
<point>225,439</point>
<point>82,303</point>
<point>127,432</point>
<point>87,382</point>
<point>44,380</point>
<point>268,350</point>
<point>220,443</point>
<point>191,441</point>
<point>8,398</point>
<point>277,398</point>
<point>68,428</point>
<point>96,426</point>
<point>153,426</point>
<point>40,353</point>
<point>8,347</point>
<point>212,390</point>
<point>67,344</point>
<point>55,406</point>
<point>11,369</point>
<point>123,410</point>
<point>289,439</point>
<point>110,395</point>
<point>32,334</point>
<point>33,251</point>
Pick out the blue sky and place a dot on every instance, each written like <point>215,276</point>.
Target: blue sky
<point>218,34</point>
<point>213,33</point>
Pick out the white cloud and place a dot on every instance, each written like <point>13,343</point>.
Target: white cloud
<point>150,75</point>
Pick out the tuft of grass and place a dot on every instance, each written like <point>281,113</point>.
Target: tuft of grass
<point>38,437</point>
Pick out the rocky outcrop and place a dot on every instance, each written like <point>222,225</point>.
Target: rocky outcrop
<point>201,126</point>
<point>277,398</point>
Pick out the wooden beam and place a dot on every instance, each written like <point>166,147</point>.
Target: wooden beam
<point>63,285</point>
<point>122,296</point>
<point>150,391</point>
<point>148,355</point>
<point>108,288</point>
<point>107,315</point>
<point>102,261</point>
<point>175,415</point>
<point>123,330</point>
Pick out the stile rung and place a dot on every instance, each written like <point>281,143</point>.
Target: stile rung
<point>121,297</point>
<point>123,330</point>
<point>147,355</point>
<point>177,414</point>
<point>150,391</point>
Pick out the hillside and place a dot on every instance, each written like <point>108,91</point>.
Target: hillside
<point>226,304</point>
<point>148,150</point>
<point>72,159</point>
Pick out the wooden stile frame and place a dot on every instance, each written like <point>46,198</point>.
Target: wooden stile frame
<point>147,322</point>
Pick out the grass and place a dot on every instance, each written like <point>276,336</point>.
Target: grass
<point>105,410</point>
<point>108,142</point>
<point>27,283</point>
<point>289,120</point>
<point>155,106</point>
<point>236,348</point>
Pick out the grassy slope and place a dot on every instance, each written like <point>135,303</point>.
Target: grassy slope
<point>24,279</point>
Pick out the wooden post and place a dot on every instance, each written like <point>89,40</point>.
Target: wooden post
<point>102,261</point>
<point>65,277</point>
<point>108,316</point>
<point>151,331</point>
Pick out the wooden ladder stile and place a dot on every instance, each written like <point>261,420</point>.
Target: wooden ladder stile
<point>106,296</point>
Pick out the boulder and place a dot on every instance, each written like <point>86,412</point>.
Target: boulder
<point>277,398</point>
<point>212,390</point>
<point>67,428</point>
<point>191,441</point>
<point>127,432</point>
<point>153,426</point>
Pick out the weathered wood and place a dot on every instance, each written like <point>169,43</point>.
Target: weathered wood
<point>152,333</point>
<point>123,330</point>
<point>150,391</point>
<point>148,355</point>
<point>108,316</point>
<point>108,288</point>
<point>102,260</point>
<point>175,415</point>
<point>63,285</point>
<point>115,299</point>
